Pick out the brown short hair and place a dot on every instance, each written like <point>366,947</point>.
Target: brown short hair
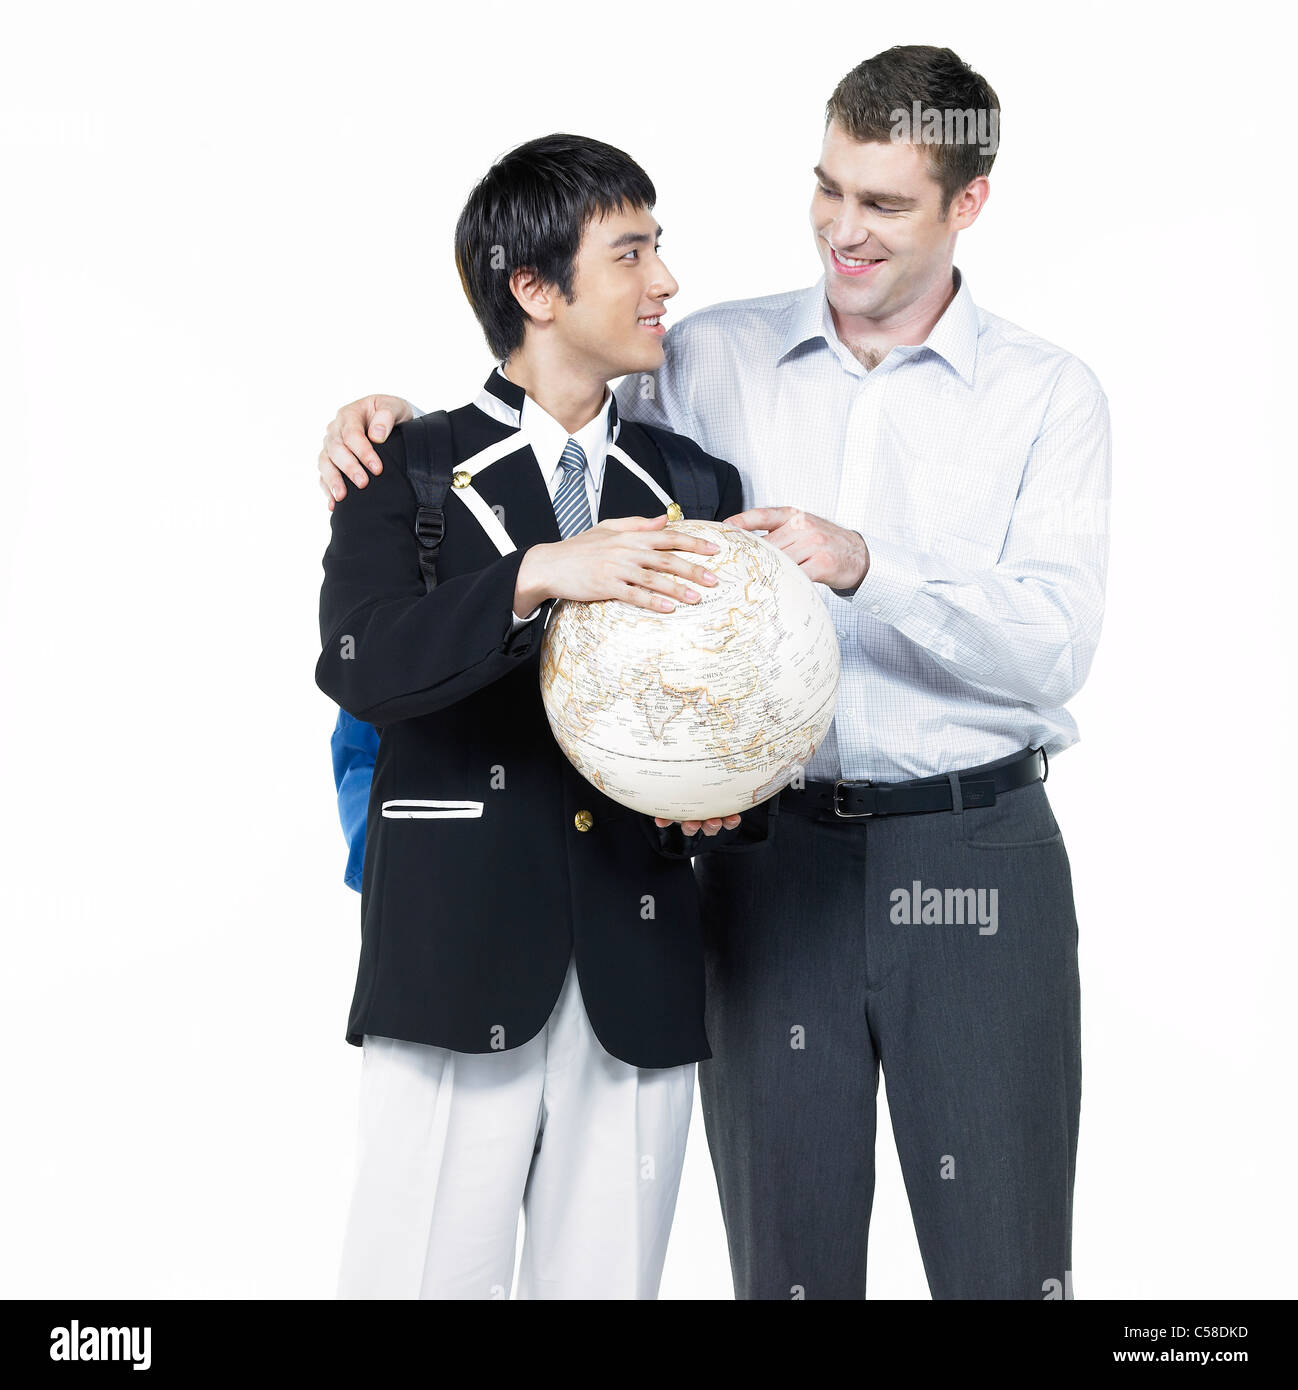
<point>867,101</point>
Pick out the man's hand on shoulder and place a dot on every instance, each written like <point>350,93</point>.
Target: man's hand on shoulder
<point>347,452</point>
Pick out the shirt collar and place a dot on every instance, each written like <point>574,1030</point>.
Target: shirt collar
<point>503,400</point>
<point>810,319</point>
<point>506,401</point>
<point>954,337</point>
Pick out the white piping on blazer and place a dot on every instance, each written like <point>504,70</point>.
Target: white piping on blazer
<point>502,448</point>
<point>411,808</point>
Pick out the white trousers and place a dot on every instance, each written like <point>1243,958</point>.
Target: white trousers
<point>452,1144</point>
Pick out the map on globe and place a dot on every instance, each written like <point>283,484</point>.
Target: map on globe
<point>706,710</point>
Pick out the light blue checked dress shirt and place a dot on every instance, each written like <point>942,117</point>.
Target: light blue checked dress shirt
<point>976,465</point>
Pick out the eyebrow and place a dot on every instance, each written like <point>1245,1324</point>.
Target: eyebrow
<point>867,195</point>
<point>634,239</point>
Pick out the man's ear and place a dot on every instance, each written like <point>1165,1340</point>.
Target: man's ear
<point>969,202</point>
<point>534,296</point>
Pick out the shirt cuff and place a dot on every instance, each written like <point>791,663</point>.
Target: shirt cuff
<point>518,622</point>
<point>415,411</point>
<point>891,584</point>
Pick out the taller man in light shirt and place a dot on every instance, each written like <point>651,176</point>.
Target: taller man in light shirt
<point>944,476</point>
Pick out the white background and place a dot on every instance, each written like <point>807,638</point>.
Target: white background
<point>222,222</point>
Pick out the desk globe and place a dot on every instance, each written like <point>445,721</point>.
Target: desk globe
<point>706,710</point>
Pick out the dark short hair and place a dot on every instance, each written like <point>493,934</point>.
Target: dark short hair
<point>529,212</point>
<point>865,102</point>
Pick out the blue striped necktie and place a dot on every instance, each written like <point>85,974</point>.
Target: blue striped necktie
<point>571,505</point>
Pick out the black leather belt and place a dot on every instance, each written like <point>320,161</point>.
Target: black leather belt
<point>859,800</point>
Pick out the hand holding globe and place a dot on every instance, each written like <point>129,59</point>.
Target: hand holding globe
<point>700,711</point>
<point>708,827</point>
<point>632,558</point>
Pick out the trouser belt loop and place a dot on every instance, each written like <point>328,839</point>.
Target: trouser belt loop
<point>957,802</point>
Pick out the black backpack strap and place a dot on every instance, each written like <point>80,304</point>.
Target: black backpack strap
<point>430,460</point>
<point>693,478</point>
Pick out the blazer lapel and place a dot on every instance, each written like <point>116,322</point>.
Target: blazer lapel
<point>623,494</point>
<point>514,487</point>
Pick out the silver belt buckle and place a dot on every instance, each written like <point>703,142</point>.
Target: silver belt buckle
<point>850,815</point>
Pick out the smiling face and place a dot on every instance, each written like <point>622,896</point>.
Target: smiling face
<point>877,216</point>
<point>620,287</point>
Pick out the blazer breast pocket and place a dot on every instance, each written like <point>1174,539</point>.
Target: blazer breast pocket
<point>418,808</point>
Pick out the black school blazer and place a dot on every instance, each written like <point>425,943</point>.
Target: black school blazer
<point>478,884</point>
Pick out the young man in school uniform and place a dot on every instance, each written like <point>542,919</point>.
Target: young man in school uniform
<point>529,1026</point>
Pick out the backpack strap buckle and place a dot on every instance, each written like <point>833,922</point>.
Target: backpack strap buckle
<point>430,527</point>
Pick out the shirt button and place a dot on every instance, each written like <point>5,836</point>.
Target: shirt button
<point>874,608</point>
<point>583,820</point>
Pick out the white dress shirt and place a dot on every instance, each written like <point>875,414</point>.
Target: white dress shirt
<point>548,439</point>
<point>976,466</point>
